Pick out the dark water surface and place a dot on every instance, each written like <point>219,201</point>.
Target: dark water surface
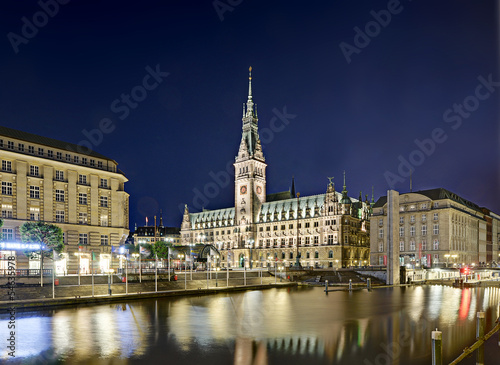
<point>275,326</point>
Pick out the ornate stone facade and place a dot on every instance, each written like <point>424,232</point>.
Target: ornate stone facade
<point>330,229</point>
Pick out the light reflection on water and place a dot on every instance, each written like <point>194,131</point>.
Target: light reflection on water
<point>276,326</point>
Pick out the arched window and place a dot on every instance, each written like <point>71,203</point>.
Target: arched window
<point>330,254</point>
<point>316,255</point>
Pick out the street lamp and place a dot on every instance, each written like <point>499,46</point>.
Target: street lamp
<point>447,259</point>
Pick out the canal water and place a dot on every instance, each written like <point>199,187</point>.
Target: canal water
<point>276,326</point>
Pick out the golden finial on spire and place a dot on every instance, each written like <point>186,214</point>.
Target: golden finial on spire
<point>250,71</point>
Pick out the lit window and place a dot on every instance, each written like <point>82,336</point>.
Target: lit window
<point>104,220</point>
<point>6,211</point>
<point>35,214</point>
<point>82,218</point>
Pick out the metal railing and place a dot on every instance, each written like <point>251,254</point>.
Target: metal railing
<point>25,272</point>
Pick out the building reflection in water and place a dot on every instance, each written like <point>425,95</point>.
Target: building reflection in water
<point>252,327</point>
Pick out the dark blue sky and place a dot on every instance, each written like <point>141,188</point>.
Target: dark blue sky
<point>402,84</point>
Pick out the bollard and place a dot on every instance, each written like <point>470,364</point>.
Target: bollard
<point>480,334</point>
<point>326,287</point>
<point>437,347</point>
<point>350,284</point>
<point>368,283</point>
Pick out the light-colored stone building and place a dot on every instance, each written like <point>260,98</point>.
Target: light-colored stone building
<point>330,229</point>
<point>83,193</point>
<point>436,227</point>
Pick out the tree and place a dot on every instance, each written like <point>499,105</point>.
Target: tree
<point>160,248</point>
<point>48,235</point>
<point>45,234</point>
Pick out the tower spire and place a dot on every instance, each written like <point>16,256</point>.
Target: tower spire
<point>250,112</point>
<point>250,83</point>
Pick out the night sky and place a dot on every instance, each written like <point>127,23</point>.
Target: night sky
<point>329,96</point>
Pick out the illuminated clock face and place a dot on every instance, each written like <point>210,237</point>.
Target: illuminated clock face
<point>259,190</point>
<point>243,189</point>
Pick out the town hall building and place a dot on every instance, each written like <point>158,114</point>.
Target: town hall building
<point>329,230</point>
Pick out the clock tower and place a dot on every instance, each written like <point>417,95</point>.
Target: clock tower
<point>249,172</point>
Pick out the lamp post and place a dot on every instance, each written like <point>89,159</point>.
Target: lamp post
<point>126,273</point>
<point>53,274</point>
<point>454,257</point>
<point>447,259</point>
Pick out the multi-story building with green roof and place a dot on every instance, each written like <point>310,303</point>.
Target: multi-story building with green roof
<point>324,230</point>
